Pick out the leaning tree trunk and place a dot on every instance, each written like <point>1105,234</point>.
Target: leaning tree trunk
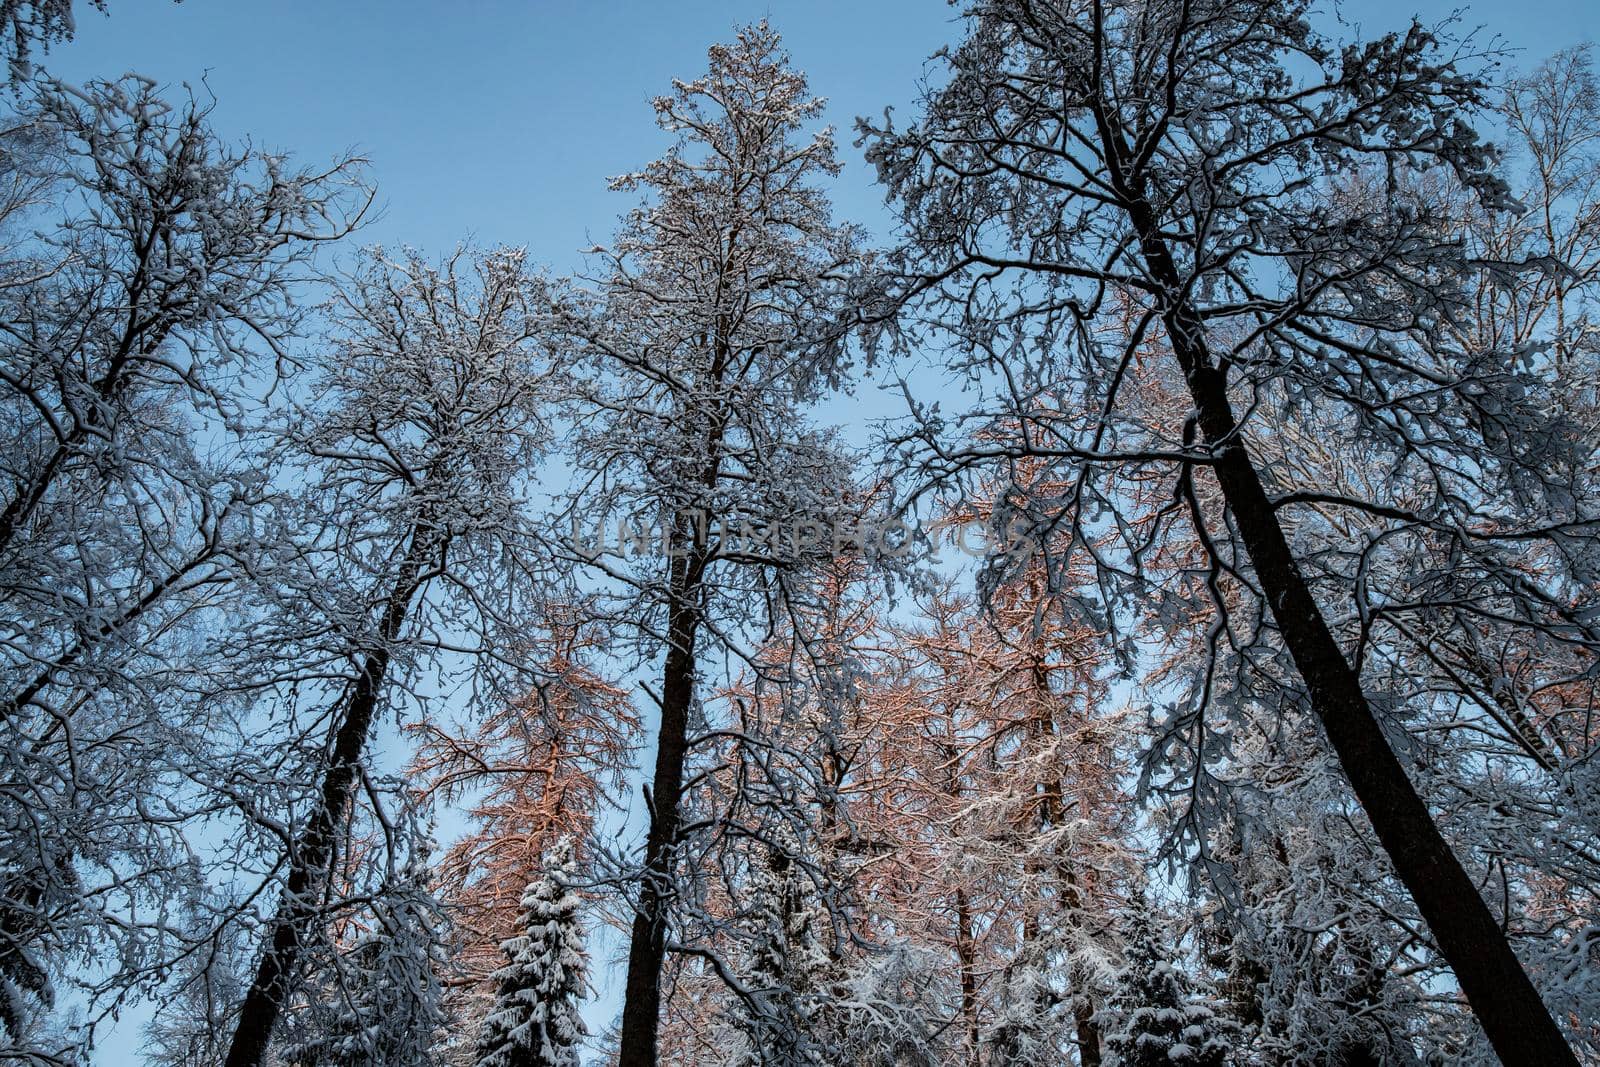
<point>1501,995</point>
<point>309,859</point>
<point>647,950</point>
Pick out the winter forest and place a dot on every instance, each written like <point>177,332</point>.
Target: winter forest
<point>420,659</point>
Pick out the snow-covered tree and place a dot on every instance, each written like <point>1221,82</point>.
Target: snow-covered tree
<point>379,1001</point>
<point>1283,431</point>
<point>1157,1020</point>
<point>1032,1025</point>
<point>409,531</point>
<point>790,959</point>
<point>26,25</point>
<point>1298,922</point>
<point>784,968</point>
<point>1488,701</point>
<point>1165,234</point>
<point>1055,795</point>
<point>31,26</point>
<point>995,825</point>
<point>710,331</point>
<point>157,271</point>
<point>192,1025</point>
<point>536,1021</point>
<point>789,990</point>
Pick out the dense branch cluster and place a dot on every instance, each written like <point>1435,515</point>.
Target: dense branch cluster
<point>389,641</point>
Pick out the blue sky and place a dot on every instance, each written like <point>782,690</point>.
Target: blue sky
<point>499,120</point>
<point>496,120</point>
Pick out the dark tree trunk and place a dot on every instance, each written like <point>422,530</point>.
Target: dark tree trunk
<point>298,907</point>
<point>1088,1031</point>
<point>967,958</point>
<point>647,950</point>
<point>1501,995</point>
<point>1052,804</point>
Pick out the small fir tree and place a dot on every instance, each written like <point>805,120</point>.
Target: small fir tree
<point>535,1021</point>
<point>1157,1019</point>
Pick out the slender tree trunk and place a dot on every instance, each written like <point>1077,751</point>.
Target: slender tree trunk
<point>1501,995</point>
<point>1052,805</point>
<point>1088,1031</point>
<point>298,907</point>
<point>641,1007</point>
<point>686,569</point>
<point>967,957</point>
<point>1083,1006</point>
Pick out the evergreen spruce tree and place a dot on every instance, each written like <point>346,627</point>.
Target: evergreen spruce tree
<point>1157,1021</point>
<point>535,1021</point>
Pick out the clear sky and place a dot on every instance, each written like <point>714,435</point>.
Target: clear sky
<point>493,119</point>
<point>500,120</point>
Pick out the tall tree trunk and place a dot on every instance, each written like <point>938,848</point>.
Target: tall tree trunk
<point>298,907</point>
<point>967,958</point>
<point>1501,995</point>
<point>1051,811</point>
<point>641,1008</point>
<point>1088,1031</point>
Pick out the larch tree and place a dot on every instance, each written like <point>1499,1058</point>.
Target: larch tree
<point>934,877</point>
<point>708,334</point>
<point>998,828</point>
<point>790,961</point>
<point>529,774</point>
<point>1258,197</point>
<point>1054,794</point>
